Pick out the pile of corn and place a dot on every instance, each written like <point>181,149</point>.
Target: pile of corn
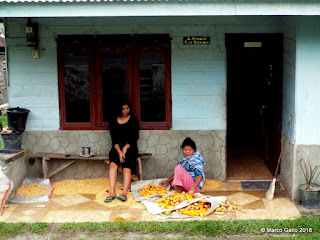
<point>196,209</point>
<point>96,186</point>
<point>226,207</point>
<point>33,189</point>
<point>174,200</point>
<point>88,186</point>
<point>152,189</point>
<point>210,185</point>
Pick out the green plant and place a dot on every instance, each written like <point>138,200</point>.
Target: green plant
<point>309,173</point>
<point>4,121</point>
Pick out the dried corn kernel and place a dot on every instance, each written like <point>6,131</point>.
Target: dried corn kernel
<point>196,209</point>
<point>33,189</point>
<point>210,185</point>
<point>173,200</point>
<point>226,207</point>
<point>152,189</point>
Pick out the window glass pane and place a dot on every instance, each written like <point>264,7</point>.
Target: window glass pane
<point>114,82</point>
<point>152,87</point>
<point>76,85</point>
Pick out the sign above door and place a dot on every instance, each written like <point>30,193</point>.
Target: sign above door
<point>194,40</point>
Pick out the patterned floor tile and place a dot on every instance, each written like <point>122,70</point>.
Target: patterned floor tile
<point>77,216</point>
<point>126,215</point>
<point>242,198</point>
<point>226,216</point>
<point>90,196</point>
<point>219,193</point>
<point>29,212</point>
<point>229,186</point>
<point>258,214</point>
<point>281,208</point>
<point>70,200</point>
<point>146,216</point>
<point>88,205</point>
<point>259,204</point>
<point>6,211</point>
<point>25,219</point>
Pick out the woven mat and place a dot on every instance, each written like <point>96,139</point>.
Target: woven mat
<point>260,185</point>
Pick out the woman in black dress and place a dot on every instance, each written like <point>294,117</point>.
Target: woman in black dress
<point>124,131</point>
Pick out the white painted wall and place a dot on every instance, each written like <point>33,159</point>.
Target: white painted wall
<point>198,72</point>
<point>158,8</point>
<point>308,81</point>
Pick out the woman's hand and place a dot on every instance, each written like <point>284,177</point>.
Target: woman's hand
<point>192,189</point>
<point>121,156</point>
<point>162,183</point>
<point>124,149</point>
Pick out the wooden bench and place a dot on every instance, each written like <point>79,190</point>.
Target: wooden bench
<point>8,155</point>
<point>68,159</point>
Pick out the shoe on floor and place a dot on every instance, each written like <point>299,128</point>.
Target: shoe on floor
<point>247,184</point>
<point>122,198</point>
<point>110,199</point>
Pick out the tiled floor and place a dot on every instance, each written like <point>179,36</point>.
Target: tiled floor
<point>85,207</point>
<point>247,163</point>
<point>90,207</point>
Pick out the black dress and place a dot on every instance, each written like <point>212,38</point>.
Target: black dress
<point>122,134</point>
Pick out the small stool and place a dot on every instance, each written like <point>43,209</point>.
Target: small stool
<point>142,156</point>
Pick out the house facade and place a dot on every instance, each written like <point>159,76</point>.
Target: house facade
<point>181,64</point>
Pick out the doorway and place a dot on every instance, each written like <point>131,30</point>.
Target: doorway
<point>254,93</point>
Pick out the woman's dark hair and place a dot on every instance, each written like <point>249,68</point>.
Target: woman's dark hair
<point>119,108</point>
<point>189,142</point>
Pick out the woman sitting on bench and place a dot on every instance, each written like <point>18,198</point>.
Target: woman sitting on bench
<point>124,130</point>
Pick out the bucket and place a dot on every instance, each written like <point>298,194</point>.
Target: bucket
<point>11,140</point>
<point>17,119</point>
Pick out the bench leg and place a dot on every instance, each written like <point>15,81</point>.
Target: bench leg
<point>140,168</point>
<point>45,167</point>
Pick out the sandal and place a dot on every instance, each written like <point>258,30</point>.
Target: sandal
<point>263,185</point>
<point>247,184</point>
<point>123,198</point>
<point>110,199</point>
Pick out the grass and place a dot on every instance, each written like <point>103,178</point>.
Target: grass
<point>3,120</point>
<point>187,228</point>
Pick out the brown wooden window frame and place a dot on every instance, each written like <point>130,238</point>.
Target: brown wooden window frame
<point>132,45</point>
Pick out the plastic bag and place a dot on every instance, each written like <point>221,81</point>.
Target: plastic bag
<point>17,198</point>
<point>6,186</point>
<point>135,186</point>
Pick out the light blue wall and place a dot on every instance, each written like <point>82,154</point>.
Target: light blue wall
<point>289,74</point>
<point>198,72</point>
<point>308,81</point>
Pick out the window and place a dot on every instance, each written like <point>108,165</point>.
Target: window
<point>96,72</point>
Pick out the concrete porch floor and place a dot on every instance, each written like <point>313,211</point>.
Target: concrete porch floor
<point>88,207</point>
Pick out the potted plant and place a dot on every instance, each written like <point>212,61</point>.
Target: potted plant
<point>310,191</point>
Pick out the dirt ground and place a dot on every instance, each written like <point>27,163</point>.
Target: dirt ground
<point>138,236</point>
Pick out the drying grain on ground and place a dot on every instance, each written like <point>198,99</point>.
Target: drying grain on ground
<point>33,189</point>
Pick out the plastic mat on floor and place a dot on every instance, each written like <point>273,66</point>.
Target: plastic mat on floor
<point>258,185</point>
